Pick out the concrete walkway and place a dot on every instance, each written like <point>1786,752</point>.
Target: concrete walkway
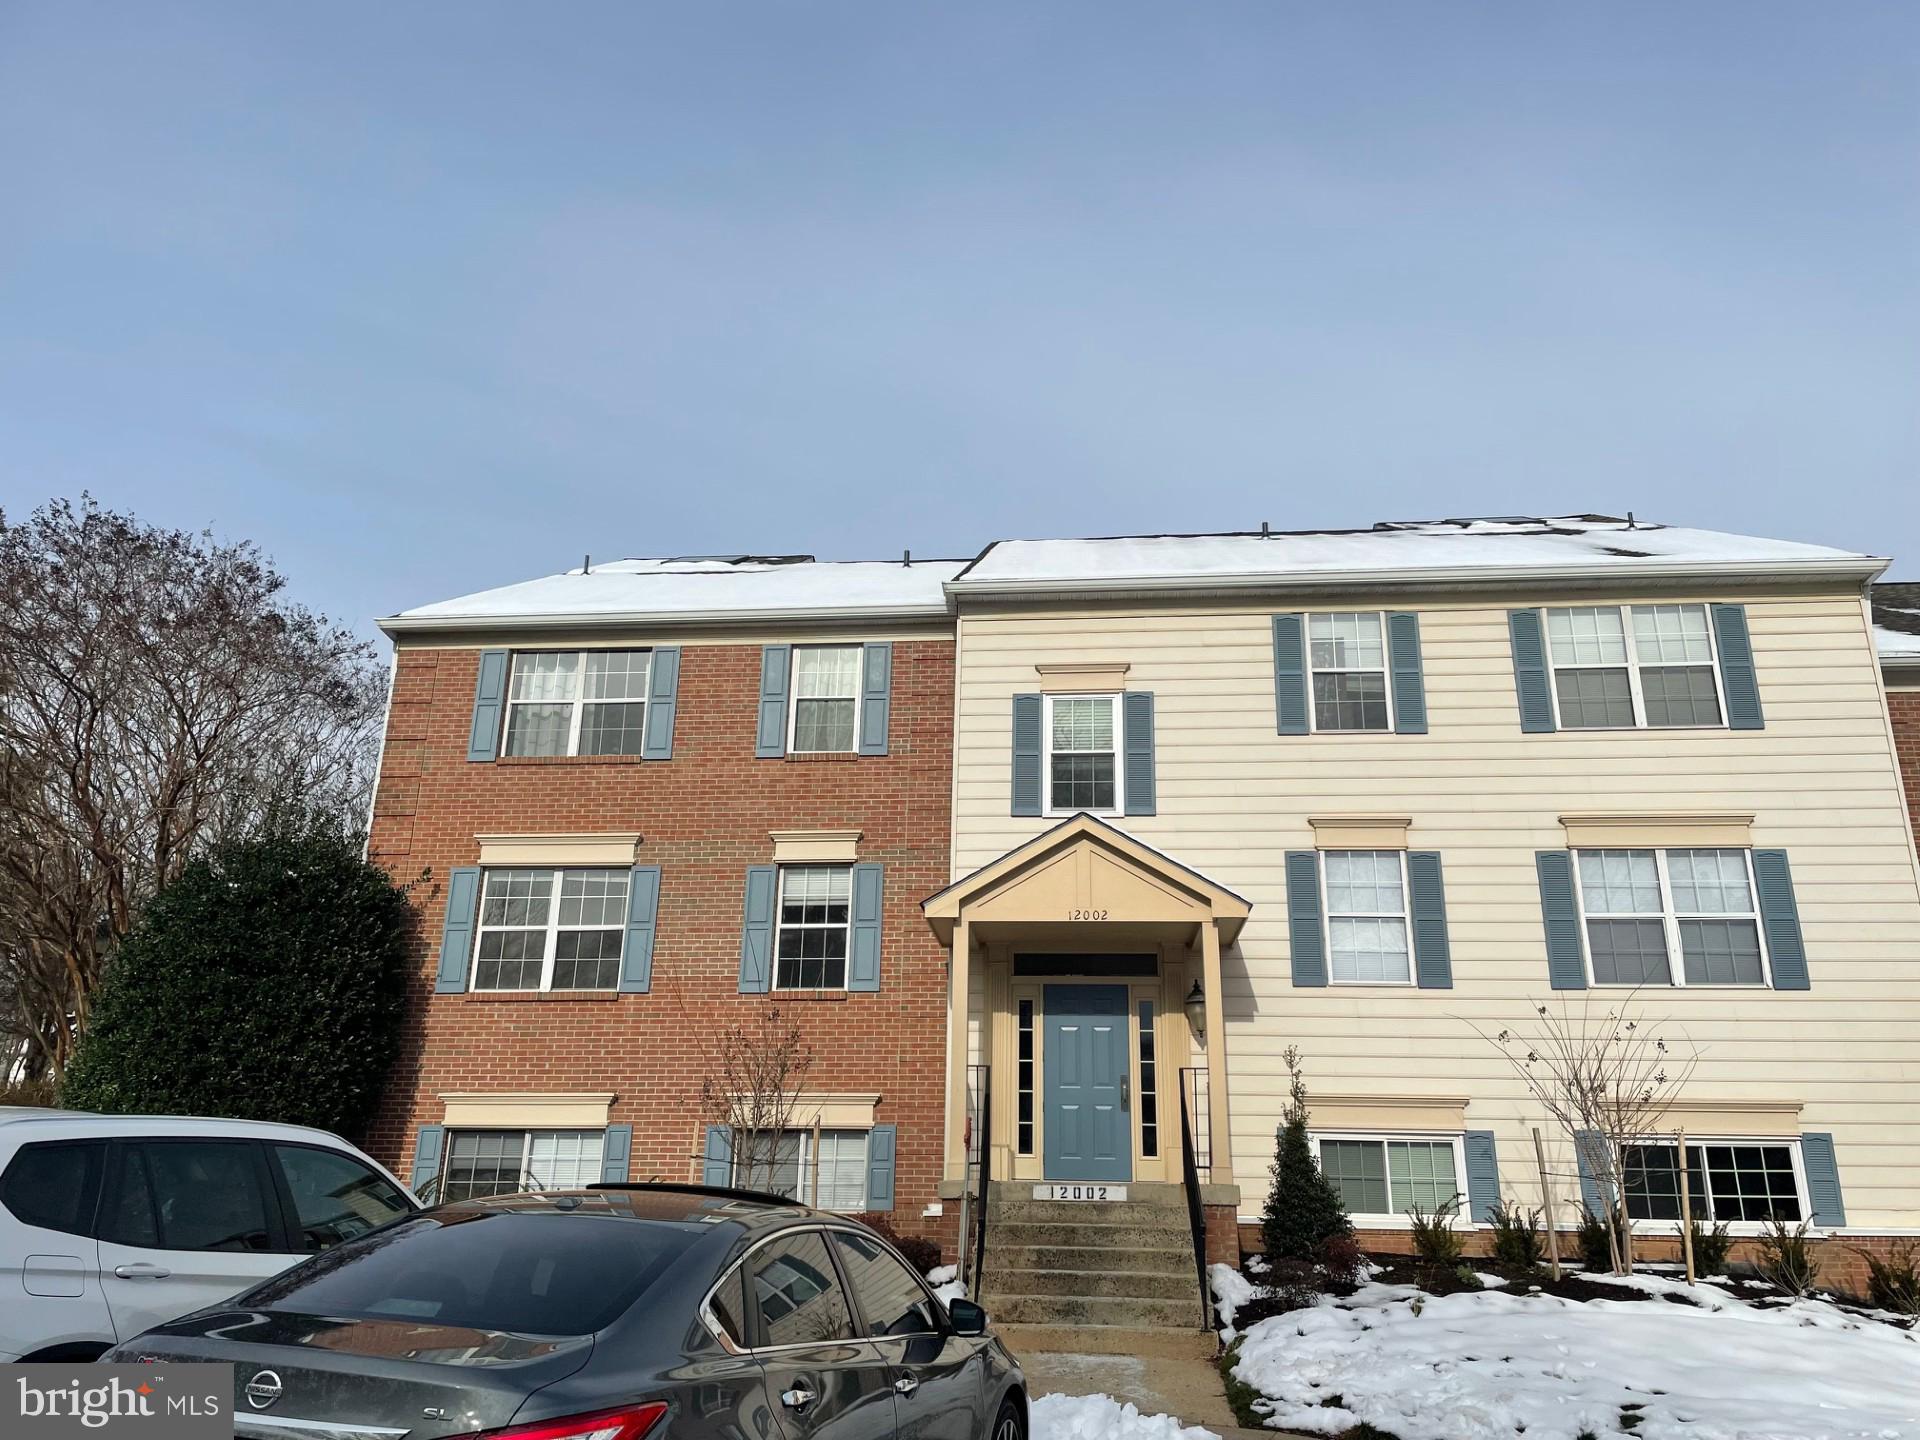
<point>1168,1372</point>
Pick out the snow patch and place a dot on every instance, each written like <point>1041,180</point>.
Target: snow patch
<point>1101,1417</point>
<point>1231,1290</point>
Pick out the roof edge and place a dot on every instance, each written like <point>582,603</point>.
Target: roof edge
<point>406,624</point>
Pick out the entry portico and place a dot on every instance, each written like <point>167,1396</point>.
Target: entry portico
<point>1072,958</point>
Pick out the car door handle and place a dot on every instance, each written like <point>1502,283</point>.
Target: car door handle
<point>798,1398</point>
<point>906,1385</point>
<point>140,1270</point>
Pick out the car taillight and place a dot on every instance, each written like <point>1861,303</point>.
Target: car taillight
<point>628,1424</point>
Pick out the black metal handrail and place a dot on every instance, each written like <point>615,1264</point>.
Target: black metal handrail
<point>980,1078</point>
<point>1190,1180</point>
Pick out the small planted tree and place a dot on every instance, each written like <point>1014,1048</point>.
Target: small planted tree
<point>755,1072</point>
<point>1607,1080</point>
<point>266,983</point>
<point>1305,1224</point>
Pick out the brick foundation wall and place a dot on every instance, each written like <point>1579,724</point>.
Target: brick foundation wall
<point>704,817</point>
<point>1903,706</point>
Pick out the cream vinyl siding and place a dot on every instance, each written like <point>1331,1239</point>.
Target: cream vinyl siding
<point>1820,781</point>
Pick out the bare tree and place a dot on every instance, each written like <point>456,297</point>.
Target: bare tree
<point>1607,1080</point>
<point>755,1072</point>
<point>157,693</point>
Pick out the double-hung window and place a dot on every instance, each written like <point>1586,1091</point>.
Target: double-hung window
<point>1083,770</point>
<point>815,917</point>
<point>826,1168</point>
<point>1386,1176</point>
<point>1618,667</point>
<point>826,699</point>
<point>1642,907</point>
<point>1366,908</point>
<point>1731,1180</point>
<point>504,1162</point>
<point>578,702</point>
<point>1348,656</point>
<point>551,930</point>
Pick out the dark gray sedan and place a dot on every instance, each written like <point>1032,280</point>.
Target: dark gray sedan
<point>605,1314</point>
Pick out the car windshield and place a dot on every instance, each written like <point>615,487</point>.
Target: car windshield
<point>559,1275</point>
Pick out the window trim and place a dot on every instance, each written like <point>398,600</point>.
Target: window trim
<point>1670,921</point>
<point>1738,1228</point>
<point>579,702</point>
<point>1314,726</point>
<point>793,697</point>
<point>1371,1220</point>
<point>551,952</point>
<point>780,872</point>
<point>726,1342</point>
<point>526,1133</point>
<point>1406,919</point>
<point>1115,698</point>
<point>1633,666</point>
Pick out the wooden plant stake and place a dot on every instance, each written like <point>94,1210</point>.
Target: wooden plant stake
<point>1546,1202</point>
<point>1686,1207</point>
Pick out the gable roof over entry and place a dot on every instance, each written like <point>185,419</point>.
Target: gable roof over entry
<point>1082,870</point>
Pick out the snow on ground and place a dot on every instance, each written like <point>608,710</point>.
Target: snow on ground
<point>1490,1280</point>
<point>1231,1290</point>
<point>1101,1417</point>
<point>1490,1365</point>
<point>945,1280</point>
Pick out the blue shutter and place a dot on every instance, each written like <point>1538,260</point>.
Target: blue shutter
<point>614,1151</point>
<point>776,673</point>
<point>1590,1196</point>
<point>1432,956</point>
<point>1137,724</point>
<point>1290,674</point>
<point>489,699</point>
<point>1409,681</point>
<point>863,958</point>
<point>1566,960</point>
<point>1483,1175</point>
<point>756,932</point>
<point>663,693</point>
<point>880,1148</point>
<point>1823,1179</point>
<point>1026,754</point>
<point>456,935</point>
<point>1530,671</point>
<point>426,1155</point>
<point>1739,685</point>
<point>876,692</point>
<point>717,1163</point>
<point>1786,953</point>
<point>1303,918</point>
<point>643,906</point>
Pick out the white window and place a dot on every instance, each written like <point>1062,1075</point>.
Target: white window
<point>825,1168</point>
<point>826,698</point>
<point>1083,770</point>
<point>578,702</point>
<point>1642,907</point>
<point>1348,656</point>
<point>505,1162</point>
<point>1658,670</point>
<point>1738,1181</point>
<point>551,930</point>
<point>815,920</point>
<point>1366,908</point>
<point>1382,1177</point>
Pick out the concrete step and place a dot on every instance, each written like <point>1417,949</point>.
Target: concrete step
<point>1116,1284</point>
<point>1107,1234</point>
<point>1093,1259</point>
<point>1088,1212</point>
<point>1009,1308</point>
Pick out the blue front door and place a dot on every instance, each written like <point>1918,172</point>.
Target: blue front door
<point>1089,1133</point>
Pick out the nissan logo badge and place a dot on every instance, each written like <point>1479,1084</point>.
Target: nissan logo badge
<point>263,1389</point>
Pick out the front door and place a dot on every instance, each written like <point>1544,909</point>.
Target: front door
<point>1089,1124</point>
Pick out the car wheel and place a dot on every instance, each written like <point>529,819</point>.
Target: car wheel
<point>1011,1423</point>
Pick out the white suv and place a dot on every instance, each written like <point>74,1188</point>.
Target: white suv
<point>112,1224</point>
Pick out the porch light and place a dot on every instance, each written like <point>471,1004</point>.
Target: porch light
<point>1196,1008</point>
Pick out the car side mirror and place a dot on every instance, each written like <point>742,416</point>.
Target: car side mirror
<point>967,1317</point>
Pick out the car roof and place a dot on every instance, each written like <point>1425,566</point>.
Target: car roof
<point>20,1121</point>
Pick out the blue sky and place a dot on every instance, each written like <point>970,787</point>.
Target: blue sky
<point>430,297</point>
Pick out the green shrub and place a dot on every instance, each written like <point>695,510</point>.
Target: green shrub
<point>1303,1209</point>
<point>1893,1282</point>
<point>267,982</point>
<point>1594,1252</point>
<point>1434,1238</point>
<point>1786,1259</point>
<point>1710,1247</point>
<point>1516,1235</point>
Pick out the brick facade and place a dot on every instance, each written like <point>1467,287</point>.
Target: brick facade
<point>1903,708</point>
<point>704,817</point>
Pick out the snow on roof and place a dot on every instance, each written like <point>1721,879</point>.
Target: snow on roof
<point>1896,621</point>
<point>702,587</point>
<point>1511,544</point>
